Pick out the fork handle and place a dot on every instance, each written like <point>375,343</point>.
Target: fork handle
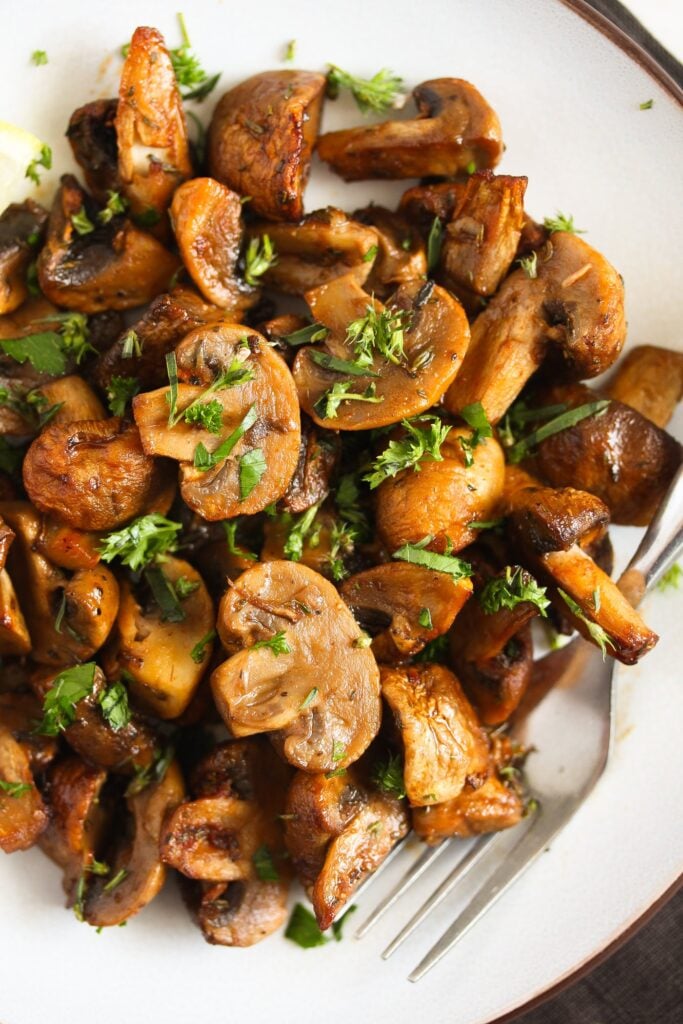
<point>659,548</point>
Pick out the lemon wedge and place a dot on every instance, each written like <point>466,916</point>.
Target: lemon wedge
<point>17,149</point>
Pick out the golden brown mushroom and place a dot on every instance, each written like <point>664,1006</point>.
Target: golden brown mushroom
<point>260,421</point>
<point>66,547</point>
<point>93,474</point>
<point>75,398</point>
<point>650,380</point>
<point>92,137</point>
<point>570,315</point>
<point>401,256</point>
<point>318,692</point>
<point>261,138</point>
<point>455,127</point>
<point>239,913</point>
<point>435,339</point>
<point>22,814</point>
<point>153,149</point>
<point>19,713</point>
<point>21,227</point>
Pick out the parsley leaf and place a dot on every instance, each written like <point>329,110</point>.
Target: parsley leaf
<point>378,94</point>
<point>44,159</point>
<point>43,351</point>
<point>259,257</point>
<point>294,544</point>
<point>15,789</point>
<point>567,419</point>
<point>263,865</point>
<point>252,466</point>
<point>328,404</point>
<point>59,703</point>
<point>208,415</point>
<point>560,222</point>
<point>595,631</point>
<point>646,105</point>
<point>164,595</point>
<point>152,772</point>
<point>529,265</point>
<point>425,435</point>
<point>204,460</point>
<point>188,71</point>
<point>416,554</point>
<point>476,418</point>
<point>378,332</point>
<point>388,776</point>
<point>82,222</point>
<point>198,652</point>
<point>144,540</point>
<point>671,578</point>
<point>515,587</point>
<point>425,618</point>
<point>116,204</point>
<point>277,644</point>
<point>119,393</point>
<point>114,704</point>
<point>236,374</point>
<point>336,365</point>
<point>303,929</point>
<point>230,526</point>
<point>290,51</point>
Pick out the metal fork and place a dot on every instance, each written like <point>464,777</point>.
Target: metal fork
<point>573,731</point>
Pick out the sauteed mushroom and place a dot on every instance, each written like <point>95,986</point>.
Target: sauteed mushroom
<point>19,713</point>
<point>239,913</point>
<point>455,127</point>
<point>92,137</point>
<point>21,227</point>
<point>75,398</point>
<point>261,138</point>
<point>650,380</point>
<point>22,814</point>
<point>318,455</point>
<point>400,258</point>
<point>318,691</point>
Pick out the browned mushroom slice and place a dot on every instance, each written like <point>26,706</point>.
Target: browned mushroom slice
<point>418,603</point>
<point>318,455</point>
<point>75,398</point>
<point>160,644</point>
<point>94,474</point>
<point>316,689</point>
<point>261,138</point>
<point>207,221</point>
<point>441,735</point>
<point>400,257</point>
<point>77,819</point>
<point>22,814</point>
<point>481,238</point>
<point>19,713</point>
<point>435,336</point>
<point>135,862</point>
<point>317,541</point>
<point>141,350</point>
<point>597,454</point>
<point>69,616</point>
<point>21,225</point>
<point>114,266</point>
<point>14,634</point>
<point>650,380</point>
<point>260,423</point>
<point>239,913</point>
<point>552,519</point>
<point>422,203</point>
<point>338,831</point>
<point>324,245</point>
<point>455,127</point>
<point>571,313</point>
<point>481,807</point>
<point>66,547</point>
<point>153,149</point>
<point>445,498</point>
<point>92,136</point>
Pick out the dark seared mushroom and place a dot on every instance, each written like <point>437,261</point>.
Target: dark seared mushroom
<point>442,739</point>
<point>153,148</point>
<point>92,137</point>
<point>598,455</point>
<point>318,455</point>
<point>324,245</point>
<point>422,203</point>
<point>338,830</point>
<point>69,615</point>
<point>14,635</point>
<point>207,222</point>
<point>435,339</point>
<point>22,814</point>
<point>238,913</point>
<point>266,400</point>
<point>418,605</point>
<point>401,256</point>
<point>455,127</point>
<point>650,380</point>
<point>261,138</point>
<point>161,651</point>
<point>319,694</point>
<point>113,266</point>
<point>21,228</point>
<point>93,474</point>
<point>19,713</point>
<point>571,315</point>
<point>445,498</point>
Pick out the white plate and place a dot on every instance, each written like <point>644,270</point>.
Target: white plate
<point>569,102</point>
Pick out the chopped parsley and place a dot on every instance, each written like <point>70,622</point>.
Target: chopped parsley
<point>423,440</point>
<point>529,265</point>
<point>309,698</point>
<point>646,105</point>
<point>189,73</point>
<point>515,587</point>
<point>116,204</point>
<point>425,618</point>
<point>199,651</point>
<point>378,333</point>
<point>567,419</point>
<point>15,789</point>
<point>236,375</point>
<point>303,929</point>
<point>306,335</point>
<point>115,881</point>
<point>259,257</point>
<point>561,222</point>
<point>205,460</point>
<point>338,925</point>
<point>152,772</point>
<point>277,644</point>
<point>328,404</point>
<point>230,526</point>
<point>338,751</point>
<point>388,776</point>
<point>164,594</point>
<point>263,865</point>
<point>32,406</point>
<point>114,705</point>
<point>377,94</point>
<point>290,51</point>
<point>49,351</point>
<point>39,57</point>
<point>146,539</point>
<point>417,555</point>
<point>371,254</point>
<point>69,687</point>
<point>208,415</point>
<point>252,466</point>
<point>595,631</point>
<point>120,392</point>
<point>44,159</point>
<point>476,418</point>
<point>81,222</point>
<point>298,532</point>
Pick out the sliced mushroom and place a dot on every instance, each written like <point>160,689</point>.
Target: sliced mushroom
<point>19,713</point>
<point>14,634</point>
<point>22,814</point>
<point>435,340</point>
<point>92,137</point>
<point>93,474</point>
<point>597,455</point>
<point>66,547</point>
<point>482,807</point>
<point>324,245</point>
<point>141,350</point>
<point>444,498</point>
<point>261,138</point>
<point>153,149</point>
<point>78,819</point>
<point>216,492</point>
<point>650,380</point>
<point>321,697</point>
<point>69,616</point>
<point>422,203</point>
<point>75,398</point>
<point>401,256</point>
<point>207,221</point>
<point>481,238</point>
<point>418,603</point>
<point>159,650</point>
<point>570,315</point>
<point>239,913</point>
<point>441,735</point>
<point>318,455</point>
<point>338,831</point>
<point>114,266</point>
<point>136,854</point>
<point>455,127</point>
<point>21,226</point>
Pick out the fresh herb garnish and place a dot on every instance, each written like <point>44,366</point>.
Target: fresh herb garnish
<point>277,644</point>
<point>336,365</point>
<point>252,466</point>
<point>309,698</point>
<point>44,159</point>
<point>15,789</point>
<point>416,554</point>
<point>378,94</point>
<point>81,222</point>
<point>388,776</point>
<point>475,417</point>
<point>425,435</point>
<point>259,257</point>
<point>32,406</point>
<point>646,105</point>
<point>378,333</point>
<point>328,404</point>
<point>147,218</point>
<point>146,539</point>
<point>303,929</point>
<point>114,704</point>
<point>560,222</point>
<point>362,641</point>
<point>153,772</point>
<point>230,526</point>
<point>116,204</point>
<point>338,925</point>
<point>425,618</point>
<point>205,460</point>
<point>10,457</point>
<point>39,57</point>
<point>485,524</point>
<point>515,587</point>
<point>236,374</point>
<point>49,351</point>
<point>371,254</point>
<point>119,393</point>
<point>298,532</point>
<point>290,51</point>
<point>208,415</point>
<point>131,346</point>
<point>343,537</point>
<point>567,419</point>
<point>306,335</point>
<point>263,865</point>
<point>68,688</point>
<point>529,265</point>
<point>437,650</point>
<point>116,880</point>
<point>189,73</point>
<point>198,652</point>
<point>164,594</point>
<point>338,751</point>
<point>671,578</point>
<point>595,631</point>
<point>434,244</point>
<point>184,587</point>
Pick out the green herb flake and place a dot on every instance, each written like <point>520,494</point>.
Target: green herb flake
<point>335,773</point>
<point>515,587</point>
<point>207,415</point>
<point>303,929</point>
<point>116,205</point>
<point>338,925</point>
<point>417,555</point>
<point>371,254</point>
<point>153,772</point>
<point>290,51</point>
<point>231,526</point>
<point>388,776</point>
<point>377,94</point>
<point>646,105</point>
<point>205,460</point>
<point>328,404</point>
<point>120,392</point>
<point>434,244</point>
<point>424,437</point>
<point>379,333</point>
<point>114,882</point>
<point>68,688</point>
<point>131,346</point>
<point>199,651</point>
<point>39,57</point>
<point>164,595</point>
<point>425,618</point>
<point>145,540</point>
<point>252,466</point>
<point>338,751</point>
<point>529,265</point>
<point>595,631</point>
<point>561,222</point>
<point>277,644</point>
<point>475,417</point>
<point>309,698</point>
<point>188,71</point>
<point>44,159</point>
<point>671,580</point>
<point>114,705</point>
<point>567,419</point>
<point>82,222</point>
<point>263,865</point>
<point>259,257</point>
<point>336,365</point>
<point>15,789</point>
<point>306,335</point>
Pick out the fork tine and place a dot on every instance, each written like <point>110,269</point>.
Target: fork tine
<point>459,871</point>
<point>534,840</point>
<point>411,876</point>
